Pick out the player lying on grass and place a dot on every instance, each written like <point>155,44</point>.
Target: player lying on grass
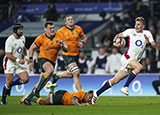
<point>62,97</point>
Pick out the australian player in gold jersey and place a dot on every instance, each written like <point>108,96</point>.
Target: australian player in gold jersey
<point>63,97</point>
<point>49,44</point>
<point>72,34</point>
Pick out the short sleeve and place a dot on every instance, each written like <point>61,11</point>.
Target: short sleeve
<point>24,39</point>
<point>126,33</point>
<point>149,35</point>
<point>38,41</point>
<point>81,33</point>
<point>8,45</point>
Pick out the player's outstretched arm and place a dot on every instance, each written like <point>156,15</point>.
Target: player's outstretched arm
<point>31,52</point>
<point>152,44</point>
<point>75,102</point>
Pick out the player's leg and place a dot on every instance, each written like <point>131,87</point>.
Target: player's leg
<point>6,88</point>
<point>48,69</point>
<point>69,60</point>
<point>64,74</point>
<point>23,78</point>
<point>119,76</point>
<point>137,67</point>
<point>72,64</point>
<point>155,85</point>
<point>73,68</point>
<point>47,100</point>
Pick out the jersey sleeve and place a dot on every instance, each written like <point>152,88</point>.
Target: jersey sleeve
<point>126,33</point>
<point>38,41</point>
<point>8,45</point>
<point>24,39</point>
<point>149,35</point>
<point>81,33</point>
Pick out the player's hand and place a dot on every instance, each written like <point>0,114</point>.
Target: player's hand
<point>118,45</point>
<point>85,104</point>
<point>60,42</point>
<point>80,45</point>
<point>21,61</point>
<point>147,39</point>
<point>27,61</point>
<point>31,66</point>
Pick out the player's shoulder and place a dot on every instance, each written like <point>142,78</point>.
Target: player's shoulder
<point>130,29</point>
<point>57,34</point>
<point>62,28</point>
<point>146,32</point>
<point>10,38</point>
<point>77,26</point>
<point>23,37</point>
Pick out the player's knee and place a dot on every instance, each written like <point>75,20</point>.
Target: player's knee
<point>76,72</point>
<point>9,81</point>
<point>26,81</point>
<point>50,71</point>
<point>138,68</point>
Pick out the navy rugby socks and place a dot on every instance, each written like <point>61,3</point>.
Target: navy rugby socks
<point>103,88</point>
<point>130,79</point>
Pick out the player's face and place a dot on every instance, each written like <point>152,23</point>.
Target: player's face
<point>139,26</point>
<point>69,21</point>
<point>50,30</point>
<point>89,97</point>
<point>20,32</point>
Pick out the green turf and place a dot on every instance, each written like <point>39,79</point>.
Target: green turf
<point>104,106</point>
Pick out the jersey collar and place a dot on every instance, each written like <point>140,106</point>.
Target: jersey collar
<point>70,28</point>
<point>51,38</point>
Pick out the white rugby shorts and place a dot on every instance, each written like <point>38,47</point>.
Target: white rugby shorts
<point>13,67</point>
<point>124,63</point>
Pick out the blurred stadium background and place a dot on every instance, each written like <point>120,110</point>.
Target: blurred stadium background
<point>100,19</point>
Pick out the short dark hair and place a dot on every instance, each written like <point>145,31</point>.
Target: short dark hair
<point>141,19</point>
<point>48,23</point>
<point>91,91</point>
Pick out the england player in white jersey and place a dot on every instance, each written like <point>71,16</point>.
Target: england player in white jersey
<point>138,39</point>
<point>13,62</point>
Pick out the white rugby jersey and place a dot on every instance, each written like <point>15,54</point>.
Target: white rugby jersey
<point>137,43</point>
<point>15,46</point>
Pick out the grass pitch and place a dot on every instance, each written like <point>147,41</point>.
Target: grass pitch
<point>105,106</point>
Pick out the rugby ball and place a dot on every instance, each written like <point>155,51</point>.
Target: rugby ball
<point>121,41</point>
